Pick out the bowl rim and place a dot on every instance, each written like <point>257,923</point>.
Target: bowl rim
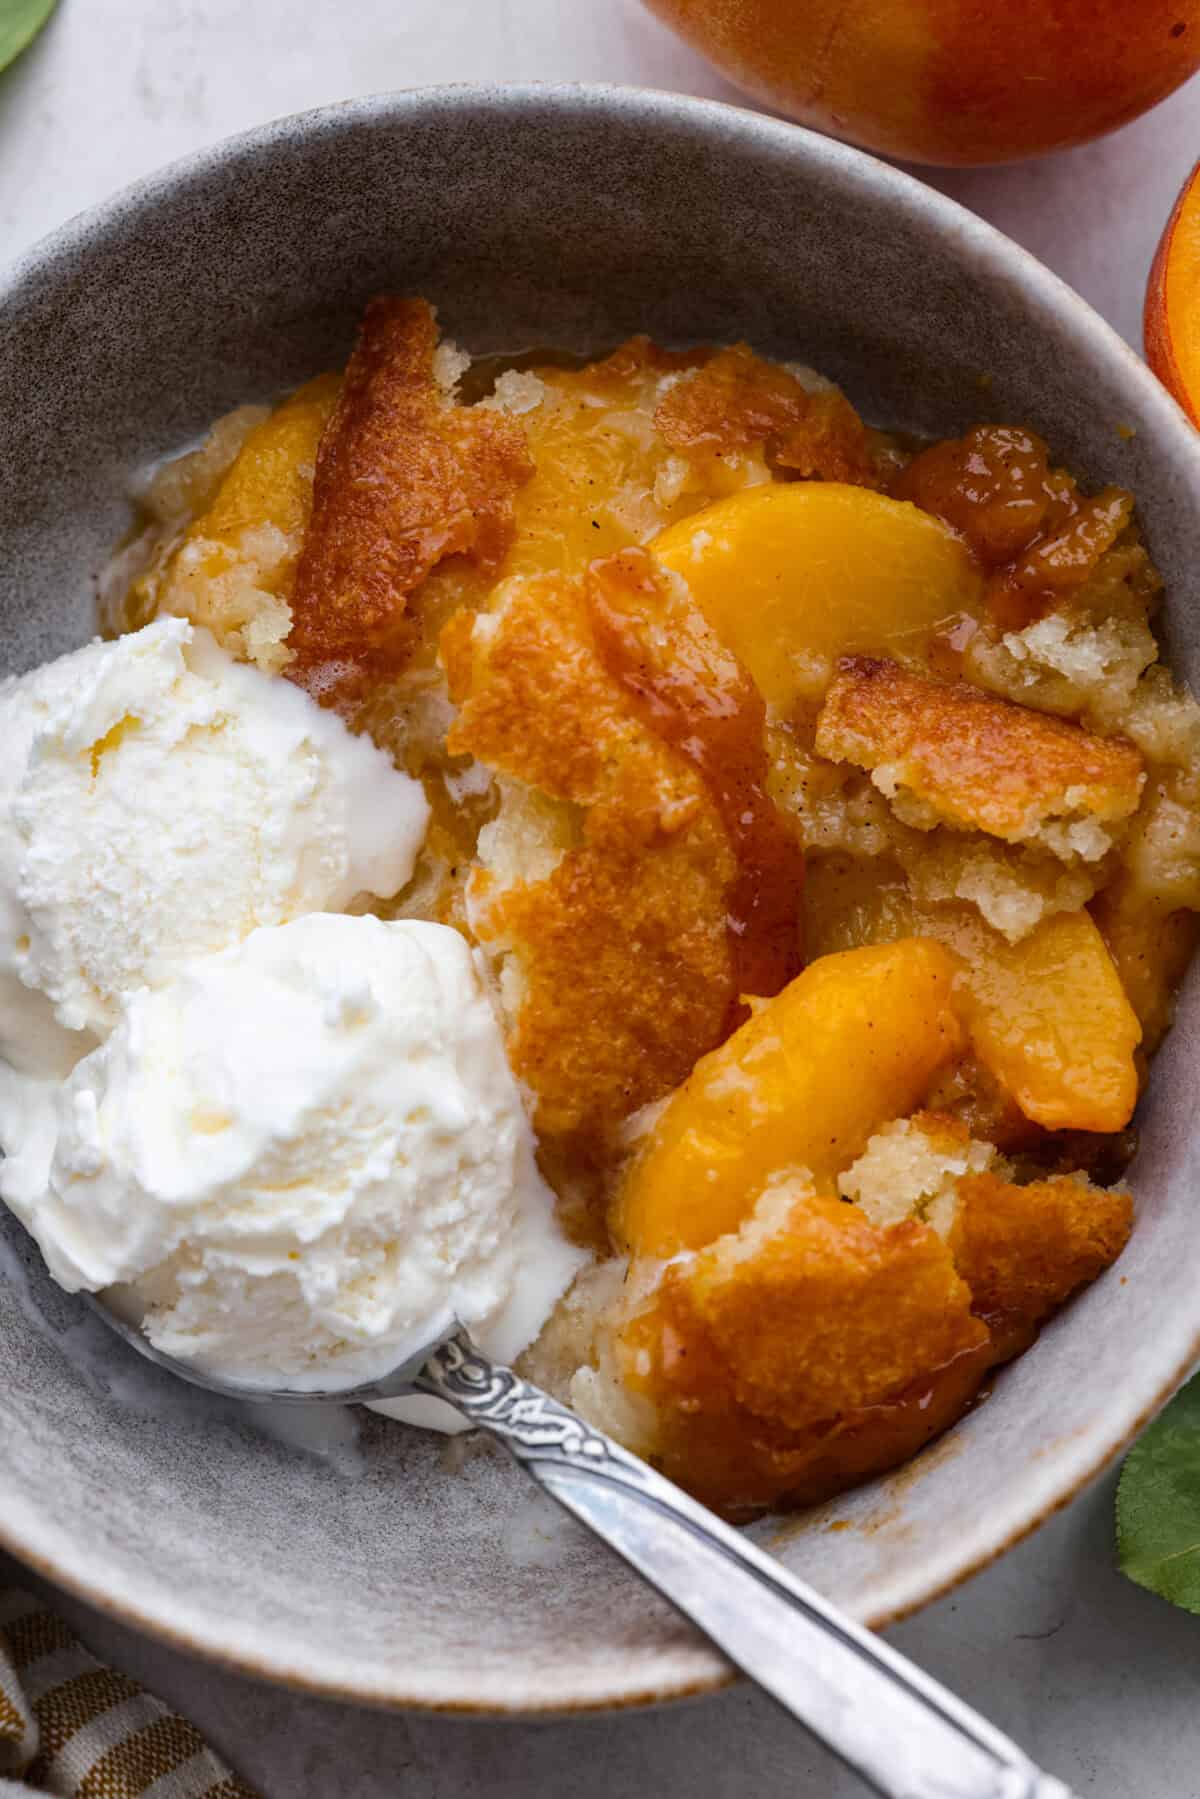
<point>52,1553</point>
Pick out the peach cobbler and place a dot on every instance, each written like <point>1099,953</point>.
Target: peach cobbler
<point>822,809</point>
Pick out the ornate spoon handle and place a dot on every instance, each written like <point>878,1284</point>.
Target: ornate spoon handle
<point>906,1735</point>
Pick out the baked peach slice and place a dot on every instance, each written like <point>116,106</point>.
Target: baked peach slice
<point>793,575</point>
<point>1048,1017</point>
<point>1151,946</point>
<point>235,568</point>
<point>1172,316</point>
<point>269,483</point>
<point>851,1043</point>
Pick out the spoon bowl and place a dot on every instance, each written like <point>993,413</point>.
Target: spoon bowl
<point>399,1383</point>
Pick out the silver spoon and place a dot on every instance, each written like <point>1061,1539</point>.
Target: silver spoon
<point>906,1735</point>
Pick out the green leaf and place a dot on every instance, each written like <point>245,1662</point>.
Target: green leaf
<point>20,22</point>
<point>1158,1504</point>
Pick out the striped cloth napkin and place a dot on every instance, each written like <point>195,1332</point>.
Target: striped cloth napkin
<point>72,1729</point>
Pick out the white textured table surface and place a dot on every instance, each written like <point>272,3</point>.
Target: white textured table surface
<point>1096,1678</point>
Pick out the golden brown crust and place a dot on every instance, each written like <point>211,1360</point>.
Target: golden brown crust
<point>831,1314</point>
<point>694,694</point>
<point>976,762</point>
<point>816,1348</point>
<point>737,400</point>
<point>1024,1250</point>
<point>403,479</point>
<point>536,703</point>
<point>627,970</point>
<point>640,354</point>
<point>788,1362</point>
<point>623,951</point>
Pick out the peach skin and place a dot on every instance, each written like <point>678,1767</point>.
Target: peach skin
<point>950,81</point>
<point>1172,319</point>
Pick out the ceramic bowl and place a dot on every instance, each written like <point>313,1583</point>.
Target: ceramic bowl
<point>349,1557</point>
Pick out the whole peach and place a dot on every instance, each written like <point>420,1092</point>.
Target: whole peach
<point>950,81</point>
<point>1172,317</point>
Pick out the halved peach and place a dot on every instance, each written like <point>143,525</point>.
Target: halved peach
<point>851,1043</point>
<point>1172,316</point>
<point>792,575</point>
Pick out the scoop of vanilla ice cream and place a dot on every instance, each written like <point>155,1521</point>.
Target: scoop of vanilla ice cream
<point>158,801</point>
<point>308,1156</point>
<point>32,1041</point>
<point>36,1051</point>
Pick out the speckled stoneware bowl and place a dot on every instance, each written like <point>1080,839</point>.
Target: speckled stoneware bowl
<point>348,1558</point>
